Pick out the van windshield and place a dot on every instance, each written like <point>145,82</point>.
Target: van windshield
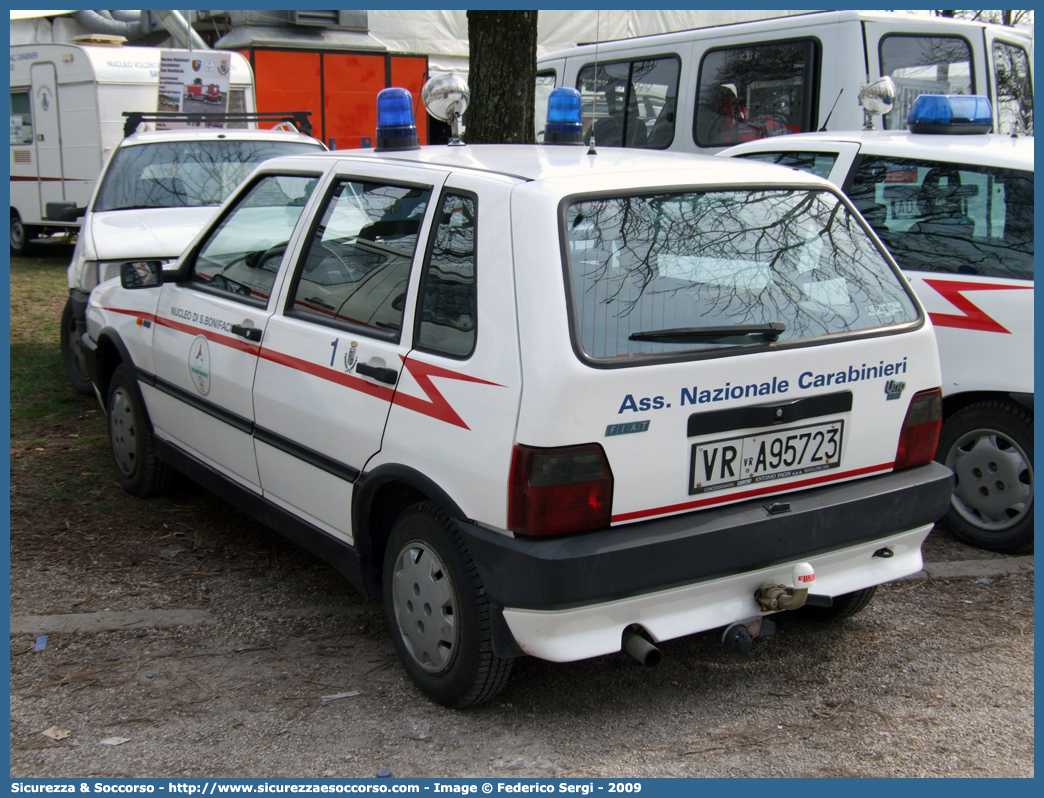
<point>185,174</point>
<point>683,272</point>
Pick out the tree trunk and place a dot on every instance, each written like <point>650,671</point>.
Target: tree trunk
<point>502,77</point>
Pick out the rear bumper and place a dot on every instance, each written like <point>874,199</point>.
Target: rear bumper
<point>651,564</point>
<point>597,629</point>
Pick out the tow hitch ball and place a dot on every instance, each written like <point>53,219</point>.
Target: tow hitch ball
<point>739,637</point>
<point>772,598</point>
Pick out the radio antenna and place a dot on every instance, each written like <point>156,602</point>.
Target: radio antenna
<point>832,107</point>
<point>594,107</point>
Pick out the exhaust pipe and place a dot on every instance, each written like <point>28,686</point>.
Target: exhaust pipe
<point>640,648</point>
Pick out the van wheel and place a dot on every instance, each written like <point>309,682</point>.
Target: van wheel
<point>20,236</point>
<point>989,447</point>
<point>139,470</point>
<point>844,606</point>
<point>72,352</point>
<point>437,611</point>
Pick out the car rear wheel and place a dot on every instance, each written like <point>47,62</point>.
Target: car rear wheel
<point>72,352</point>
<point>989,447</point>
<point>844,606</point>
<point>437,611</point>
<point>138,468</point>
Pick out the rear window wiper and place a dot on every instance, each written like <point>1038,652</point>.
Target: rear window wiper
<point>695,335</point>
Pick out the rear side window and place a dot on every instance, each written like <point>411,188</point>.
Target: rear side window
<point>354,272</point>
<point>689,272</point>
<point>545,84</point>
<point>953,218</point>
<point>924,65</point>
<point>1014,90</point>
<point>447,309</point>
<point>755,91</point>
<point>630,103</point>
<point>816,163</point>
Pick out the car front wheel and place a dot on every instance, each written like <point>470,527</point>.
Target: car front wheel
<point>437,611</point>
<point>138,469</point>
<point>989,447</point>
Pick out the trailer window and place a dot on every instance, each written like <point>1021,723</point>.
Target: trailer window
<point>924,65</point>
<point>755,91</point>
<point>948,217</point>
<point>630,103</point>
<point>1014,89</point>
<point>21,118</point>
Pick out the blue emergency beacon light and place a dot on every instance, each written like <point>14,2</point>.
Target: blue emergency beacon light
<point>563,118</point>
<point>949,114</point>
<point>396,129</point>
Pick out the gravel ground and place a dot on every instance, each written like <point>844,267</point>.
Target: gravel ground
<point>935,678</point>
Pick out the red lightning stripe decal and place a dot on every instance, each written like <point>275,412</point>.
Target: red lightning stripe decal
<point>210,335</point>
<point>974,318</point>
<point>437,407</point>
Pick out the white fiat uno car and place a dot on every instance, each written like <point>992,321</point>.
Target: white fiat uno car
<point>544,399</point>
<point>954,206</point>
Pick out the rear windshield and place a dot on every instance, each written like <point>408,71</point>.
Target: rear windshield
<point>185,174</point>
<point>684,272</point>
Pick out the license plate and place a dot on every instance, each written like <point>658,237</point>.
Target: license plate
<point>767,456</point>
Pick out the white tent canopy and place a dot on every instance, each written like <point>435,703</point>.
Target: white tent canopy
<point>443,35</point>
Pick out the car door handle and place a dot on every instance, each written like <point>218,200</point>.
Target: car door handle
<point>250,333</point>
<point>379,373</point>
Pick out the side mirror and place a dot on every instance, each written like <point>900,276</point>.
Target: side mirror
<point>141,274</point>
<point>64,211</point>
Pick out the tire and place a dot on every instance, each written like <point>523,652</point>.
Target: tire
<point>844,606</point>
<point>138,469</point>
<point>72,354</point>
<point>428,574</point>
<point>21,235</point>
<point>989,447</point>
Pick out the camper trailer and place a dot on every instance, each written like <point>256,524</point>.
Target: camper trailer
<point>705,89</point>
<point>67,103</point>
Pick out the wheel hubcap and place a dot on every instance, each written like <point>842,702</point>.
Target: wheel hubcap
<point>994,480</point>
<point>123,431</point>
<point>17,234</point>
<point>425,607</point>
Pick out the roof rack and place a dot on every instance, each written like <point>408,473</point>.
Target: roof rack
<point>299,119</point>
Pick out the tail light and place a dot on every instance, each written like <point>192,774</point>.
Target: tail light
<point>920,433</point>
<point>554,491</point>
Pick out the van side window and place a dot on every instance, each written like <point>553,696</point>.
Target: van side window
<point>354,272</point>
<point>545,84</point>
<point>447,310</point>
<point>21,108</point>
<point>924,65</point>
<point>946,217</point>
<point>242,255</point>
<point>630,103</point>
<point>755,91</point>
<point>1014,90</point>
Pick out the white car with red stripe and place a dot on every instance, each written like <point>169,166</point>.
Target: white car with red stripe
<point>956,212</point>
<point>546,401</point>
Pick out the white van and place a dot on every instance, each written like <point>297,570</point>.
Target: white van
<point>67,103</point>
<point>704,89</point>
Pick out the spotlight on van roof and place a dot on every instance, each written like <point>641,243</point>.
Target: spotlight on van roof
<point>950,114</point>
<point>564,124</point>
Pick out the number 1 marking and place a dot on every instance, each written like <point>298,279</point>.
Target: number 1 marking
<point>334,353</point>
